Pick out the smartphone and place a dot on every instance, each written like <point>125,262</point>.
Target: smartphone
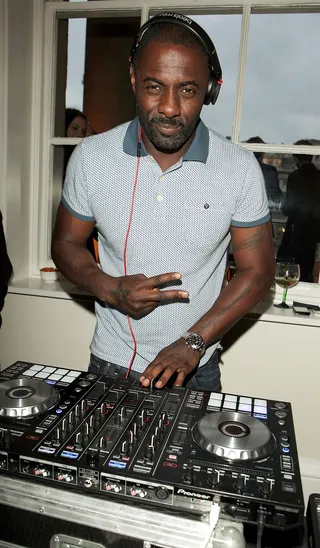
<point>302,310</point>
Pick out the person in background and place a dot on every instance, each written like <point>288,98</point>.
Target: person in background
<point>76,123</point>
<point>302,207</point>
<point>5,267</point>
<point>167,195</point>
<point>270,175</point>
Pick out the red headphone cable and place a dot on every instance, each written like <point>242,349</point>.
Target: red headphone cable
<point>126,245</point>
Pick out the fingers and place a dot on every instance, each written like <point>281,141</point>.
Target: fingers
<point>155,281</point>
<point>171,294</point>
<point>180,378</point>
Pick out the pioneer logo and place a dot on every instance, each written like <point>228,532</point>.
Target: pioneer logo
<point>193,495</point>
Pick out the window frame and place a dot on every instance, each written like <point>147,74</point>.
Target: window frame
<point>42,221</point>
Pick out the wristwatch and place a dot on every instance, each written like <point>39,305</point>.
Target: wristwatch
<point>195,341</point>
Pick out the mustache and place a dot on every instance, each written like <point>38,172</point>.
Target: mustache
<point>167,122</point>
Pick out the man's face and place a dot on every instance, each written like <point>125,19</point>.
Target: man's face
<point>170,83</point>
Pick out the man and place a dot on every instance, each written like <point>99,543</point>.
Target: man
<point>165,194</point>
<point>5,267</point>
<point>271,178</point>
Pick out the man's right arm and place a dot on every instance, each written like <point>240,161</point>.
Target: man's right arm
<point>71,256</point>
<point>135,295</point>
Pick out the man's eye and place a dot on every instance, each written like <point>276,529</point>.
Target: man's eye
<point>153,86</point>
<point>188,91</point>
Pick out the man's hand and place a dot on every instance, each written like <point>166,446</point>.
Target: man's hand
<point>175,358</point>
<point>138,295</point>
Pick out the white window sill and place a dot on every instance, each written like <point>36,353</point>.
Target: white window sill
<point>263,311</point>
<point>36,287</point>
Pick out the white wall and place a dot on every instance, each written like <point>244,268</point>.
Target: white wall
<point>17,133</point>
<point>46,330</point>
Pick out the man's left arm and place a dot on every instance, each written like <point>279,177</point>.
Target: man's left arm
<point>251,236</point>
<point>254,258</point>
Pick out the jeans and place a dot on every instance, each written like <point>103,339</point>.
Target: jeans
<point>206,377</point>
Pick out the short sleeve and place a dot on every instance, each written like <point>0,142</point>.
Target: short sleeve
<point>252,207</point>
<point>75,194</point>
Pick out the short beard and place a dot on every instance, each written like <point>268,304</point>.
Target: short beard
<point>167,143</point>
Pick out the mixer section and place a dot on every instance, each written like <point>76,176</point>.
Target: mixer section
<point>169,447</point>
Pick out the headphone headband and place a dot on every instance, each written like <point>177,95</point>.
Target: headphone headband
<point>215,79</point>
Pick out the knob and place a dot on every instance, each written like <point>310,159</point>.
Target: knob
<point>91,421</point>
<point>117,419</point>
<point>149,452</point>
<point>79,438</point>
<point>266,487</point>
<point>151,386</point>
<point>131,437</point>
<point>97,415</point>
<point>102,409</point>
<point>215,478</point>
<point>240,483</point>
<point>162,493</point>
<point>56,435</point>
<point>85,429</point>
<point>92,459</point>
<point>70,417</point>
<point>64,425</point>
<point>84,405</point>
<point>123,413</point>
<point>188,474</point>
<point>124,448</point>
<point>7,438</point>
<point>77,410</point>
<point>102,442</point>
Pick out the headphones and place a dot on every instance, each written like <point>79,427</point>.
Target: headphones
<point>215,78</point>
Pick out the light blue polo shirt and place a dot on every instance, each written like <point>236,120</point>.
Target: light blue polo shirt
<point>181,223</point>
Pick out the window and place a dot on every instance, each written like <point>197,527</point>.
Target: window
<point>271,87</point>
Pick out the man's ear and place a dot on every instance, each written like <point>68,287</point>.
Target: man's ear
<point>132,78</point>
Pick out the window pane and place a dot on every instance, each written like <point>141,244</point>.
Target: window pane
<point>295,227</point>
<point>93,74</point>
<point>282,83</point>
<point>224,30</point>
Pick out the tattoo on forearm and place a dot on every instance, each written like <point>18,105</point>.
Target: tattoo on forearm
<point>238,298</point>
<point>120,294</point>
<point>254,241</point>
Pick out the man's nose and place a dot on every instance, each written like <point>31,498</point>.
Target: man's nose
<point>169,104</point>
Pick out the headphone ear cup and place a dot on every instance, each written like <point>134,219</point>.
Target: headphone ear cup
<point>212,92</point>
<point>207,99</point>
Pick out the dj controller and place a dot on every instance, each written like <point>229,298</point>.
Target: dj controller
<point>174,449</point>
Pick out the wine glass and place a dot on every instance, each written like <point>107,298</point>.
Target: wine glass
<point>287,274</point>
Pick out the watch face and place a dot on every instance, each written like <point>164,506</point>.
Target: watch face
<point>195,341</point>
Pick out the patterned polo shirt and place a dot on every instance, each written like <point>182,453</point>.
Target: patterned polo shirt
<point>181,223</point>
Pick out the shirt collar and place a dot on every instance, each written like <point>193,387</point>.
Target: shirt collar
<point>197,152</point>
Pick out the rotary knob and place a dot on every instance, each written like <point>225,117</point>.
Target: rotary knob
<point>215,478</point>
<point>266,487</point>
<point>240,483</point>
<point>149,452</point>
<point>188,474</point>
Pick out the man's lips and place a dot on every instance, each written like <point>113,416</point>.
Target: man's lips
<point>168,129</point>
